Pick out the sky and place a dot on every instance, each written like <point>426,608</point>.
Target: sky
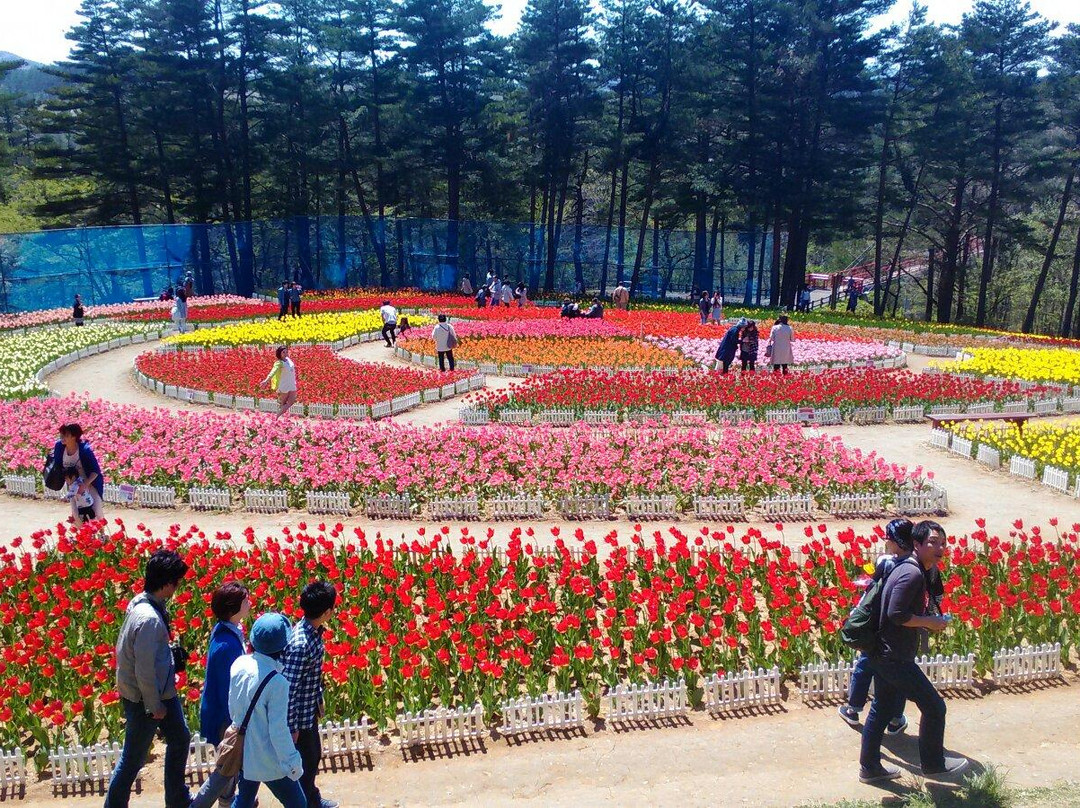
<point>34,29</point>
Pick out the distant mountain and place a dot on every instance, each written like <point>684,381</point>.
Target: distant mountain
<point>30,79</point>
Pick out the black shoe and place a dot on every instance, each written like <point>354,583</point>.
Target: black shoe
<point>849,715</point>
<point>953,765</point>
<point>880,774</point>
<point>896,727</point>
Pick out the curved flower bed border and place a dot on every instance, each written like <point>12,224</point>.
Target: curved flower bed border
<point>312,409</point>
<point>101,347</point>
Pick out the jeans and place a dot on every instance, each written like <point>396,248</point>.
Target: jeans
<point>388,333</point>
<point>288,793</point>
<point>216,787</point>
<point>284,311</point>
<point>894,681</point>
<point>310,748</point>
<point>446,355</point>
<point>139,730</point>
<point>859,688</point>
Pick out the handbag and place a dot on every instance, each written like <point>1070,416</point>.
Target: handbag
<point>53,474</point>
<point>230,752</point>
<point>768,351</point>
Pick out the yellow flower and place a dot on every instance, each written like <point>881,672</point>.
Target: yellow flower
<point>323,327</point>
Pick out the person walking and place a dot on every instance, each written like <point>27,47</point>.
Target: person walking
<point>71,451</point>
<point>481,297</point>
<point>804,298</point>
<point>748,346</point>
<point>78,312</point>
<point>507,294</point>
<point>892,663</point>
<point>897,547</point>
<point>704,306</point>
<point>725,354</point>
<point>231,605</point>
<point>716,311</point>
<point>389,317</point>
<point>522,295</point>
<point>779,351</point>
<point>146,668</point>
<point>446,340</point>
<point>294,299</point>
<point>304,671</point>
<point>180,310</point>
<point>283,299</point>
<point>282,379</point>
<point>466,286</point>
<point>620,297</point>
<point>270,753</point>
<point>496,292</point>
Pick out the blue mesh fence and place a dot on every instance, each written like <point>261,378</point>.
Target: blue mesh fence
<point>118,264</point>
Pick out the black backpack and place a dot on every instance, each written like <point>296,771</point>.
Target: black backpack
<point>53,473</point>
<point>860,630</point>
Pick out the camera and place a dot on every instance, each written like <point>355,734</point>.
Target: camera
<point>180,656</point>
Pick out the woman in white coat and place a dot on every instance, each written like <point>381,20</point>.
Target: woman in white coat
<point>779,348</point>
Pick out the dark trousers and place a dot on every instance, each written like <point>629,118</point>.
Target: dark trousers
<point>893,682</point>
<point>780,368</point>
<point>139,731</point>
<point>284,310</point>
<point>388,333</point>
<point>859,687</point>
<point>726,364</point>
<point>748,364</point>
<point>287,792</point>
<point>446,355</point>
<point>310,748</point>
<point>296,308</point>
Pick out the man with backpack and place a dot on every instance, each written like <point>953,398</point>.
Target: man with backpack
<point>903,611</point>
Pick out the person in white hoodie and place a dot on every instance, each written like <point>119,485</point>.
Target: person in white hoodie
<point>446,340</point>
<point>270,754</point>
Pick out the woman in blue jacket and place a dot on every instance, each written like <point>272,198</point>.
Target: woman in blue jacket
<point>71,451</point>
<point>725,354</point>
<point>231,605</point>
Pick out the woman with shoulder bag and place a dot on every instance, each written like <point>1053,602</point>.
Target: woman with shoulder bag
<point>446,340</point>
<point>71,451</point>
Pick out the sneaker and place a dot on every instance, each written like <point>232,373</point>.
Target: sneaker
<point>849,715</point>
<point>878,775</point>
<point>953,765</point>
<point>896,727</point>
<point>325,803</point>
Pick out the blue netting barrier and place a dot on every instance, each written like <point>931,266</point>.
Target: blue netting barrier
<point>118,264</point>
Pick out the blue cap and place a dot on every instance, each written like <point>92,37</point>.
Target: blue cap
<point>270,634</point>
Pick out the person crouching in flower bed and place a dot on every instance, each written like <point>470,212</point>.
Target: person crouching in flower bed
<point>282,378</point>
<point>71,451</point>
<point>725,354</point>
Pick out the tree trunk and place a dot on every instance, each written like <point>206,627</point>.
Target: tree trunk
<point>991,219</point>
<point>929,316</point>
<point>1067,327</point>
<point>702,277</point>
<point>1051,249</point>
<point>774,269</point>
<point>947,274</point>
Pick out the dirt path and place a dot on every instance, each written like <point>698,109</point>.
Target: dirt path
<point>793,756</point>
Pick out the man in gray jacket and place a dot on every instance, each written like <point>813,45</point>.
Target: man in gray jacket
<point>146,680</point>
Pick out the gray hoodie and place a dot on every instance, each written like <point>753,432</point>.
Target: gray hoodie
<point>144,662</point>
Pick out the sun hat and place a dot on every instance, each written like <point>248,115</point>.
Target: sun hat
<point>270,634</point>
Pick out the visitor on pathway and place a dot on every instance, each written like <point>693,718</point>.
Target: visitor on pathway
<point>180,310</point>
<point>294,299</point>
<point>270,753</point>
<point>897,547</point>
<point>725,353</point>
<point>620,297</point>
<point>466,286</point>
<point>283,299</point>
<point>389,317</point>
<point>481,297</point>
<point>804,298</point>
<point>189,284</point>
<point>77,311</point>
<point>446,340</point>
<point>231,606</point>
<point>896,675</point>
<point>304,670</point>
<point>282,379</point>
<point>507,294</point>
<point>779,351</point>
<point>595,311</point>
<point>521,294</point>
<point>82,503</point>
<point>717,309</point>
<point>748,346</point>
<point>852,295</point>
<point>704,305</point>
<point>146,668</point>
<point>71,451</point>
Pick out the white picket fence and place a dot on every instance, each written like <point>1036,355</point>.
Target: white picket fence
<point>949,672</point>
<point>1029,663</point>
<point>12,768</point>
<point>388,506</point>
<point>940,438</point>
<point>202,757</point>
<point>441,725</point>
<point>20,485</point>
<point>659,507</point>
<point>793,507</point>
<point>210,499</point>
<point>260,500</point>
<point>743,690</point>
<point>517,507</point>
<point>732,507</point>
<point>473,416</point>
<point>454,508</point>
<point>549,711</point>
<point>83,764</point>
<point>908,415</point>
<point>155,496</point>
<point>868,415</point>
<point>961,446</point>
<point>597,506</point>
<point>344,740</point>
<point>1022,467</point>
<point>854,505</point>
<point>988,456</point>
<point>334,502</point>
<point>1058,479</point>
<point>928,499</point>
<point>645,702</point>
<point>824,681</point>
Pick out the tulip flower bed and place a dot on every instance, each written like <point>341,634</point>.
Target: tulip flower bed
<point>805,351</point>
<point>316,328</point>
<point>324,376</point>
<point>153,309</point>
<point>847,388</point>
<point>1047,444</point>
<point>1059,365</point>
<point>23,355</point>
<point>556,351</point>
<point>185,449</point>
<point>418,624</point>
